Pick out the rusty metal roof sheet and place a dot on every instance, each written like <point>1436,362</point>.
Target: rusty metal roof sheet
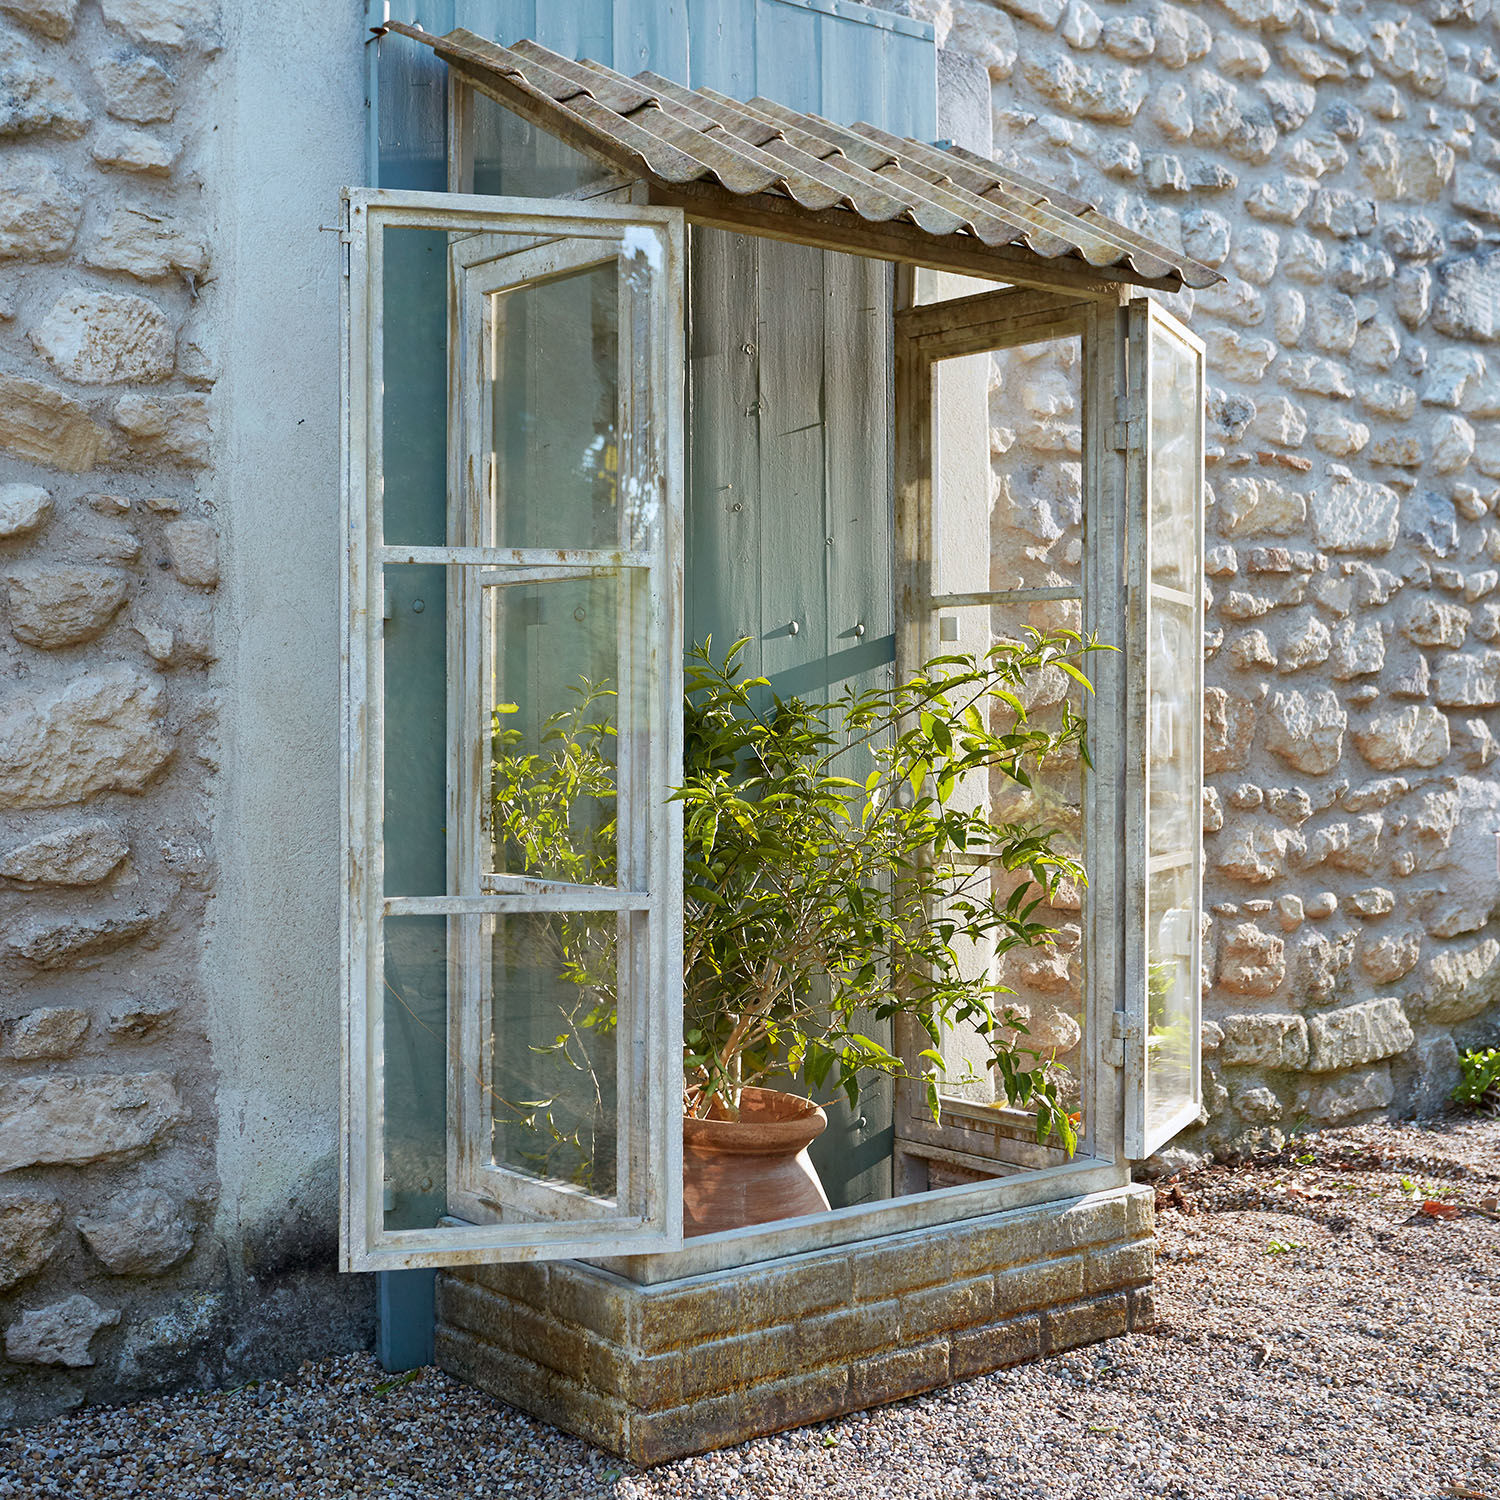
<point>708,151</point>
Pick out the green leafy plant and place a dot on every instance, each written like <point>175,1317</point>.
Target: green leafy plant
<point>1479,1080</point>
<point>818,904</point>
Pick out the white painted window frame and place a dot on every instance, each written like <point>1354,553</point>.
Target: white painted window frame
<point>648,1214</point>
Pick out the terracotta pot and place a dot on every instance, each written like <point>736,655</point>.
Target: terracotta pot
<point>754,1169</point>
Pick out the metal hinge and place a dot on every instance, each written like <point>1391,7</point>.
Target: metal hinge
<point>1123,1029</point>
<point>346,237</point>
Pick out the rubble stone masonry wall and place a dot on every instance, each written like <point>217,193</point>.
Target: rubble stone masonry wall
<point>1339,161</point>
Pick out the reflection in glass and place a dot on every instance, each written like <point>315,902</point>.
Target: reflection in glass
<point>414,1071</point>
<point>550,1084</point>
<point>1176,496</point>
<point>555,722</point>
<point>1171,916</point>
<point>1170,729</point>
<point>554,403</point>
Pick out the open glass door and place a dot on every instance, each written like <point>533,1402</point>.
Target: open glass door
<point>513,709</point>
<point>1165,835</point>
<point>1003,419</point>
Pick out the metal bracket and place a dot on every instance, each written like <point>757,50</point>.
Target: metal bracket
<point>1128,429</point>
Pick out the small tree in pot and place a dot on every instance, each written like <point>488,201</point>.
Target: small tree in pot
<point>819,905</point>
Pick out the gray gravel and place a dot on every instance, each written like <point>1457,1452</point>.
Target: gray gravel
<point>1320,1335</point>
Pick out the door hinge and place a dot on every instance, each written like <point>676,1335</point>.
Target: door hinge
<point>1123,1029</point>
<point>1128,430</point>
<point>346,238</point>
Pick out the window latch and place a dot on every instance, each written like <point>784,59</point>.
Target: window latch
<point>1129,424</point>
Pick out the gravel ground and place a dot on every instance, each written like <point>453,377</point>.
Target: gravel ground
<point>1321,1334</point>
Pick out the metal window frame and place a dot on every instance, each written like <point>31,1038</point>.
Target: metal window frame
<point>650,1198</point>
<point>1147,322</point>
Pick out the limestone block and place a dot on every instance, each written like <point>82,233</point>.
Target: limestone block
<point>1290,104</point>
<point>1360,267</point>
<point>171,428</point>
<point>1349,1095</point>
<point>1451,373</point>
<point>1323,966</point>
<point>136,89</point>
<point>138,1233</point>
<point>1251,961</point>
<point>1258,1105</point>
<point>1358,650</point>
<point>1254,852</point>
<point>147,247</point>
<point>1427,622</point>
<point>1458,983</point>
<point>72,1120</point>
<point>1390,957</point>
<point>1405,168</point>
<point>1332,322</point>
<point>83,854</point>
<point>63,604</point>
<point>1343,214</point>
<point>1410,51</point>
<point>33,98</point>
<point>1290,314</point>
<point>1257,255</point>
<point>1166,174</point>
<point>1266,1041</point>
<point>101,732</point>
<point>1111,95</point>
<point>1282,422</point>
<point>1399,450</point>
<point>1180,36</point>
<point>55,1032</point>
<point>1306,730</point>
<point>1356,1034</point>
<point>1228,730</point>
<point>1316,377</point>
<point>193,547</point>
<point>1468,679</point>
<point>23,507</point>
<point>985,33</point>
<point>1413,736</point>
<point>1213,810</point>
<point>1477,191</point>
<point>41,424</point>
<point>1313,63</point>
<point>1413,237</point>
<point>28,1235</point>
<point>1128,38</point>
<point>52,18</point>
<point>1045,13</point>
<point>1254,507</point>
<point>1388,398</point>
<point>1452,445</point>
<point>98,337</point>
<point>119,150</point>
<point>156,23</point>
<point>58,1334</point>
<point>39,212</point>
<point>1240,56</point>
<point>1206,236</point>
<point>1232,300</point>
<point>1081,26</point>
<point>1307,643</point>
<point>1238,357</point>
<point>1481,746</point>
<point>1338,436</point>
<point>1316,154</point>
<point>136,1019</point>
<point>1304,258</point>
<point>57,943</point>
<point>1354,515</point>
<point>1467,301</point>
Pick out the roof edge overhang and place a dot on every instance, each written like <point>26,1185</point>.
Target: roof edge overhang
<point>761,169</point>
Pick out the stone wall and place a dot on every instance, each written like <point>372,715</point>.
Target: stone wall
<point>1340,163</point>
<point>113,1276</point>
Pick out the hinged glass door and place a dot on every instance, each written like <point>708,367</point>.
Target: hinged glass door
<point>1162,1029</point>
<point>514,1007</point>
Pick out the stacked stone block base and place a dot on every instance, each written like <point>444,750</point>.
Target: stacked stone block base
<point>679,1367</point>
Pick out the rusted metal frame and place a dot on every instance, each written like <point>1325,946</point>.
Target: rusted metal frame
<point>840,230</point>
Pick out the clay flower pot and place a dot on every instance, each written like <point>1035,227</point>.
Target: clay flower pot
<point>754,1169</point>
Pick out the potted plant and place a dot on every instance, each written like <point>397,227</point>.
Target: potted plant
<point>838,871</point>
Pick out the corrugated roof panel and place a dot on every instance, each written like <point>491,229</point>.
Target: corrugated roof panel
<point>699,140</point>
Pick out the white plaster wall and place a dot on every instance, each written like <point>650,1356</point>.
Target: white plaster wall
<point>291,136</point>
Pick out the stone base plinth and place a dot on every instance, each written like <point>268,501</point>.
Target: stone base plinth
<point>679,1367</point>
